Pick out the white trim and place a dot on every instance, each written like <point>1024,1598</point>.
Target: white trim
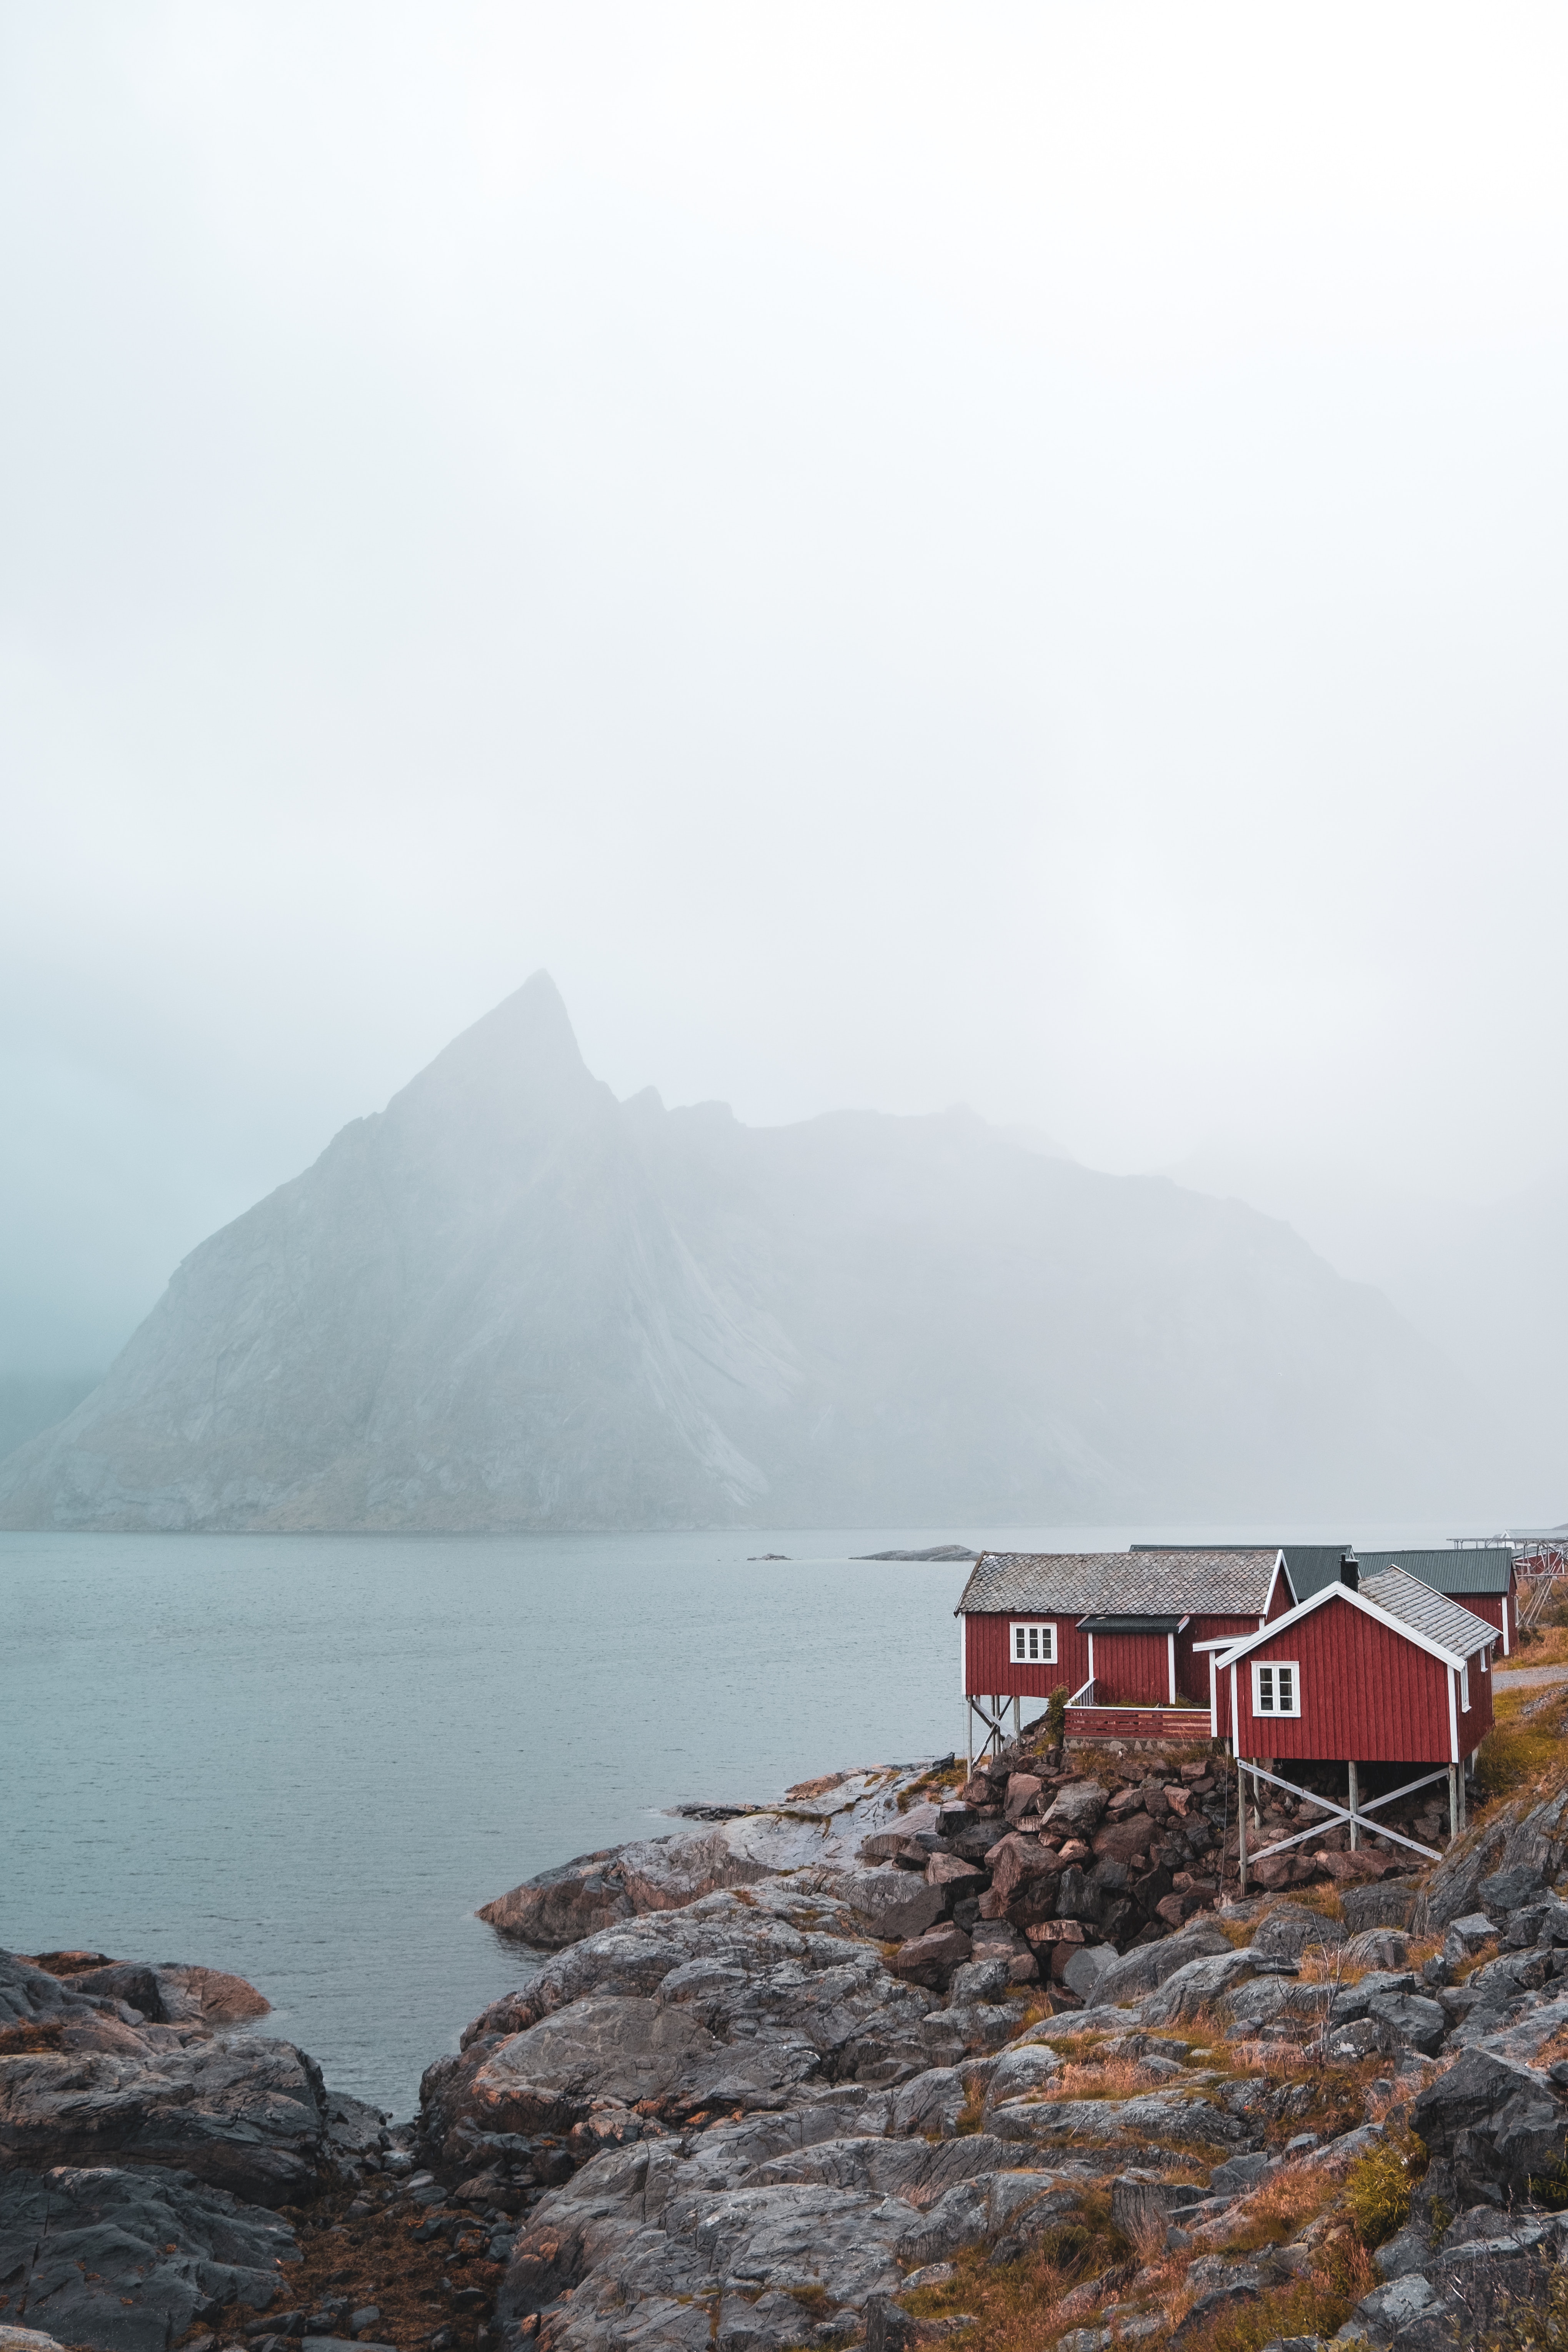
<point>1505,1625</point>
<point>1220,1642</point>
<point>1453,1721</point>
<point>1044,1626</point>
<point>1356,1601</point>
<point>963,1655</point>
<point>1171,1654</point>
<point>1214,1699</point>
<point>1091,1657</point>
<point>1275,1668</point>
<point>1235,1721</point>
<point>1465,1688</point>
<point>1280,1570</point>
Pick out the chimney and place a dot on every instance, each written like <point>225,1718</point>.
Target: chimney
<point>1350,1574</point>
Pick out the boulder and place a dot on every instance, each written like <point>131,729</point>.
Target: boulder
<point>932,1959</point>
<point>1084,1967</point>
<point>1522,1836</point>
<point>1495,2125</point>
<point>582,1897</point>
<point>892,1903</point>
<point>1119,1841</point>
<point>246,2115</point>
<point>1015,1863</point>
<point>128,2259</point>
<point>1139,1972</point>
<point>1407,2020</point>
<point>980,1980</point>
<point>1389,1904</point>
<point>173,1995</point>
<point>1077,1808</point>
<point>1022,1788</point>
<point>1292,1928</point>
<point>1195,1986</point>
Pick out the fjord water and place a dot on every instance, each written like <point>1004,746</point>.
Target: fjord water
<point>308,1758</point>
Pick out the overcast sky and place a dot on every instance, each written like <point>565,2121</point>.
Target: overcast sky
<point>907,554</point>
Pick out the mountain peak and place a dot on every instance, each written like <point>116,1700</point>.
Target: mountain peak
<point>523,1052</point>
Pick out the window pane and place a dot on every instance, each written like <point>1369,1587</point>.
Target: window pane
<point>1286,1680</point>
<point>1266,1690</point>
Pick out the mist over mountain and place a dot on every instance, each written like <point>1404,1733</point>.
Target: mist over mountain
<point>510,1301</point>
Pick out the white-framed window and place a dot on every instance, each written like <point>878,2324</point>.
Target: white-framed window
<point>1276,1687</point>
<point>1032,1645</point>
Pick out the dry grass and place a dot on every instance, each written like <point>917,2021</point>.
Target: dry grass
<point>1520,1751</point>
<point>1477,1959</point>
<point>1274,2213</point>
<point>1105,2078</point>
<point>1318,2304</point>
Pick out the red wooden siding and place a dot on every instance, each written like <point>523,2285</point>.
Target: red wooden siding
<point>1132,1669</point>
<point>991,1672</point>
<point>1488,1606</point>
<point>1281,1599</point>
<point>1366,1693</point>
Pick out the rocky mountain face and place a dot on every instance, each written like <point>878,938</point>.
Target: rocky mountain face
<point>510,1301</point>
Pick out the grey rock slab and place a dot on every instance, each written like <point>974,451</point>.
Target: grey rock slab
<point>1495,2123</point>
<point>1085,1966</point>
<point>1025,2067</point>
<point>1410,2250</point>
<point>1355,2000</point>
<point>1153,2119</point>
<point>1196,1985</point>
<point>93,2246</point>
<point>1147,1966</point>
<point>248,2115</point>
<point>1408,2021</point>
<point>893,1904</point>
<point>1291,1929</point>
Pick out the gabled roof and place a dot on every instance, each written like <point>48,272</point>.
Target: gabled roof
<point>1220,1583</point>
<point>1447,1571</point>
<point>1309,1566</point>
<point>1394,1599</point>
<point>1454,1629</point>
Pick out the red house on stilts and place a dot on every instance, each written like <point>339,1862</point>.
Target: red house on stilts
<point>1381,1670</point>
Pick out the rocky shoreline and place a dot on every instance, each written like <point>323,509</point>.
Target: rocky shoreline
<point>908,2056</point>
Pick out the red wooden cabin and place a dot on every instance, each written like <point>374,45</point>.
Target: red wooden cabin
<point>1123,1630</point>
<point>1385,1672</point>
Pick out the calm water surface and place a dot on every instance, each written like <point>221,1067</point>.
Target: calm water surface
<point>308,1758</point>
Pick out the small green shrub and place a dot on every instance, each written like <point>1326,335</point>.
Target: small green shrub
<point>1377,2188</point>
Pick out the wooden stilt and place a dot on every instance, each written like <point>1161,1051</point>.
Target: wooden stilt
<point>1241,1824</point>
<point>1453,1802</point>
<point>1355,1799</point>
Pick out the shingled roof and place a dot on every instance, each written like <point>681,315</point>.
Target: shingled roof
<point>1475,1569</point>
<point>1121,1583</point>
<point>1459,1630</point>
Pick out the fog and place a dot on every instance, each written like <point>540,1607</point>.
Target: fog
<point>909,556</point>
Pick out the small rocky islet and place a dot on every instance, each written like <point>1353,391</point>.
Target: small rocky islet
<point>912,2056</point>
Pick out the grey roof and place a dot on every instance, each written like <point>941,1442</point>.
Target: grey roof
<point>1447,1571</point>
<point>1309,1566</point>
<point>1220,1583</point>
<point>1442,1621</point>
